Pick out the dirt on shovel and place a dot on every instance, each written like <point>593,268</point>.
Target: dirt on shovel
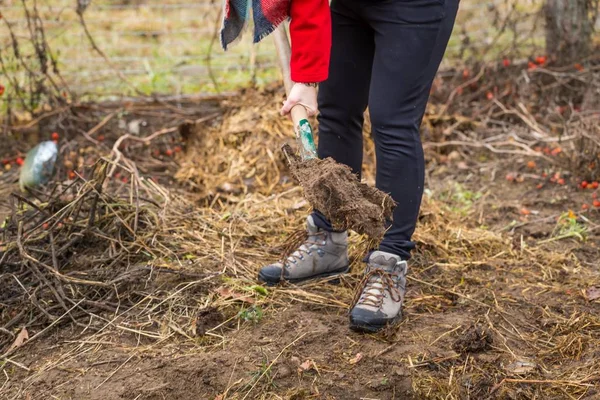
<point>337,193</point>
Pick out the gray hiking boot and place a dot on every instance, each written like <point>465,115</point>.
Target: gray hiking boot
<point>320,254</point>
<point>380,295</point>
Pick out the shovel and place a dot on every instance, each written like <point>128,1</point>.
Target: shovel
<point>330,187</point>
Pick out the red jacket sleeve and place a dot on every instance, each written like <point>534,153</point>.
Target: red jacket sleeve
<point>310,31</point>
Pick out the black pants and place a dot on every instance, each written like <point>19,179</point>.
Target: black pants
<point>385,55</point>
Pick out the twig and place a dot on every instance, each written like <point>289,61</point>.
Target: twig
<point>105,57</point>
<point>540,381</point>
<point>213,39</point>
<point>89,134</point>
<point>40,333</point>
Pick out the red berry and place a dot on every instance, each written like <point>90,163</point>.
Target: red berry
<point>124,179</point>
<point>2,89</point>
<point>71,175</point>
<point>539,186</point>
<point>561,181</point>
<point>596,203</point>
<point>506,62</point>
<point>531,65</point>
<point>531,164</point>
<point>45,225</point>
<point>584,184</point>
<point>594,185</point>
<point>544,175</point>
<point>169,152</point>
<point>19,161</point>
<point>525,211</point>
<point>579,67</point>
<point>556,151</point>
<point>466,73</point>
<point>489,95</point>
<point>100,138</point>
<point>541,60</point>
<point>177,149</point>
<point>54,136</point>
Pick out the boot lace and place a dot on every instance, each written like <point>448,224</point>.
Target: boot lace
<point>374,285</point>
<point>298,245</point>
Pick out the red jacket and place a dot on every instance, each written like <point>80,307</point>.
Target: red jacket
<point>310,31</point>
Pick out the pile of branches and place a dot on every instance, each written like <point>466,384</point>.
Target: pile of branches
<point>74,252</point>
<point>512,107</point>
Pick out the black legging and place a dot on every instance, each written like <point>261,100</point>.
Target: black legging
<point>385,54</point>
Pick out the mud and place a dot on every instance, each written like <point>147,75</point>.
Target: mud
<point>475,339</point>
<point>336,192</point>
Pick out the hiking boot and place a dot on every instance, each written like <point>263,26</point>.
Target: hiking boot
<point>379,296</point>
<point>318,254</point>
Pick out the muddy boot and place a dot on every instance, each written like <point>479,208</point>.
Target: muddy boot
<point>320,254</point>
<point>379,297</point>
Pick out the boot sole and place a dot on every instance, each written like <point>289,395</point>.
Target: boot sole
<point>271,282</point>
<point>363,327</point>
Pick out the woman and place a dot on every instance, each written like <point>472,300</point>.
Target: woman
<point>384,55</point>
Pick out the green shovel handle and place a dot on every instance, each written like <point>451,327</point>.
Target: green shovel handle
<point>304,132</point>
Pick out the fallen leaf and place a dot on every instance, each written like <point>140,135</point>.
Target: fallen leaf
<point>20,339</point>
<point>227,293</point>
<point>592,293</point>
<point>521,367</point>
<point>306,366</point>
<point>356,358</point>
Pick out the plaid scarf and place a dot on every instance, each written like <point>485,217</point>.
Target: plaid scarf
<point>267,14</point>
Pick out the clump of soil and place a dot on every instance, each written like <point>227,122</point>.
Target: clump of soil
<point>475,339</point>
<point>336,192</point>
<point>208,319</point>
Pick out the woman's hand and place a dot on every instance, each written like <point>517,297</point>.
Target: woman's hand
<point>304,95</point>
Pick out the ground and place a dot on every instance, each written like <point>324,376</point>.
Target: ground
<point>502,290</point>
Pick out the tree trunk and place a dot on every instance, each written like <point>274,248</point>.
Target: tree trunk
<point>569,29</point>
